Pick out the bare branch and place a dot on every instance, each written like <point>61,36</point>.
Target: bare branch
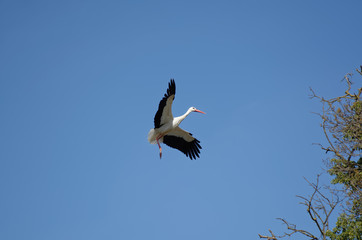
<point>319,207</point>
<point>272,237</point>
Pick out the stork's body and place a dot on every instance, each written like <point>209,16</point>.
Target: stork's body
<point>167,128</point>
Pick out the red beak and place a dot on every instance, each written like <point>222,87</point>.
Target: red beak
<point>199,111</point>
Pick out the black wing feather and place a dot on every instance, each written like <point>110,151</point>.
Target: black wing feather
<point>191,149</point>
<point>170,91</point>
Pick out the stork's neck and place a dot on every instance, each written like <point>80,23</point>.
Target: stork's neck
<point>178,120</point>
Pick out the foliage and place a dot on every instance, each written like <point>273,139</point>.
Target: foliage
<point>348,227</point>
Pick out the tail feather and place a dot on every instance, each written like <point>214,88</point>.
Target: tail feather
<point>152,136</point>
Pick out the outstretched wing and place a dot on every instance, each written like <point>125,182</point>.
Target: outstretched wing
<point>183,141</point>
<point>164,112</point>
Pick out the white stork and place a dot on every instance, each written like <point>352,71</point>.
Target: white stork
<point>167,130</point>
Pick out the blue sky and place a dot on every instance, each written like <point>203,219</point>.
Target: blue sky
<point>80,82</point>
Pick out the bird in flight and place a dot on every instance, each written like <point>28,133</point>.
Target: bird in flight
<point>167,128</point>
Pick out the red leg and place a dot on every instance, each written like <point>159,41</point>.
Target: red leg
<point>159,146</point>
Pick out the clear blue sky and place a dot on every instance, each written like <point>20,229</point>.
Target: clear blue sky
<point>80,82</point>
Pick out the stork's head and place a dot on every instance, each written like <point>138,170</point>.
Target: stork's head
<point>193,109</point>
